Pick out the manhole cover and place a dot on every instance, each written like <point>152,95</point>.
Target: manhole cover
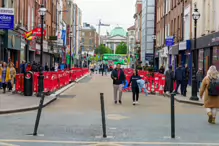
<point>67,96</point>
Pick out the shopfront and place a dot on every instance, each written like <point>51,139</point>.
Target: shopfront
<point>163,57</point>
<point>13,48</point>
<point>208,51</point>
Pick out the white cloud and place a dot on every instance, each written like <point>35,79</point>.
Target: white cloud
<point>113,12</point>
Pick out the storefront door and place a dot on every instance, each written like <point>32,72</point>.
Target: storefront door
<point>207,53</point>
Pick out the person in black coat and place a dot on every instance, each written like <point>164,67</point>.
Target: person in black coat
<point>135,88</point>
<point>179,76</point>
<point>169,80</point>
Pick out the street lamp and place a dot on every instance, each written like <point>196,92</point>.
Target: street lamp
<point>196,16</point>
<point>70,35</point>
<point>42,13</point>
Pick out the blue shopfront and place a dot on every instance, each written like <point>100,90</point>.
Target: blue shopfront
<point>184,56</point>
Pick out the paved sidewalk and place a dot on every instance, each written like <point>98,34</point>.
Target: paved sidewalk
<point>12,103</point>
<point>186,99</point>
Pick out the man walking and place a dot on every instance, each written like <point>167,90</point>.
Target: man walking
<point>118,77</point>
<point>179,75</point>
<point>185,79</point>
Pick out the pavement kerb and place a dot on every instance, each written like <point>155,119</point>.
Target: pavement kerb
<point>53,97</point>
<point>185,101</point>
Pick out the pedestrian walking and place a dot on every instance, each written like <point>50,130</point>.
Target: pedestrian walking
<point>186,72</point>
<point>23,66</point>
<point>135,88</point>
<point>162,69</point>
<point>118,77</point>
<point>179,75</point>
<point>199,78</point>
<point>46,68</point>
<point>168,87</point>
<point>13,76</point>
<point>5,76</point>
<point>211,103</point>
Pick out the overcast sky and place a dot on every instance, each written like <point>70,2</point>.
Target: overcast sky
<point>113,12</point>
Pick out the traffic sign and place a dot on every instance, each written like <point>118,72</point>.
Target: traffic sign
<point>170,41</point>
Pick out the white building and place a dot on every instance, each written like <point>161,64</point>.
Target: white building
<point>117,35</point>
<point>131,39</point>
<point>147,42</point>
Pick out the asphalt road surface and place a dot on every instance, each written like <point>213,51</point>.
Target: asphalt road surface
<point>75,119</point>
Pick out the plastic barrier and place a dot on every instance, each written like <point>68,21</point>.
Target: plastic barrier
<point>153,84</point>
<point>52,80</point>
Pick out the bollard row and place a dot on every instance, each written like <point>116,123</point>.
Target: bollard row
<point>53,81</point>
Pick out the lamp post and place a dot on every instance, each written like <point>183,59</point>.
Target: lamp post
<point>154,47</point>
<point>70,35</point>
<point>196,16</point>
<point>42,12</point>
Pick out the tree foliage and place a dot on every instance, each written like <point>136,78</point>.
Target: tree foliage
<point>121,48</point>
<point>103,50</point>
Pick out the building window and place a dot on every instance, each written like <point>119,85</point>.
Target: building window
<point>151,2</point>
<point>200,58</point>
<point>150,16</point>
<point>215,59</point>
<point>90,33</point>
<point>90,41</point>
<point>150,10</point>
<point>82,40</point>
<point>83,33</point>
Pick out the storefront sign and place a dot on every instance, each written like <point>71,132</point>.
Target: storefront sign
<point>37,32</point>
<point>7,18</point>
<point>170,41</point>
<point>149,57</point>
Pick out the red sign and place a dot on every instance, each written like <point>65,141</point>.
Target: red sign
<point>37,32</point>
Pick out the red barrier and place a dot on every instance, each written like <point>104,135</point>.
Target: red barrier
<point>52,80</point>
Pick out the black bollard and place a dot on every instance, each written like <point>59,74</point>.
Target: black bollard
<point>172,115</point>
<point>38,115</point>
<point>103,115</point>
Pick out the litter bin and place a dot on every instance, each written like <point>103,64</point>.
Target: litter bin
<point>28,83</point>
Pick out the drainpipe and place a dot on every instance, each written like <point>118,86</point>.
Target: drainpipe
<point>183,6</point>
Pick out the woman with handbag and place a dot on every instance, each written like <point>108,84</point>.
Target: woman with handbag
<point>5,76</point>
<point>13,75</point>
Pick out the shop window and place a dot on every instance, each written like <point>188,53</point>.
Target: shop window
<point>201,58</point>
<point>215,59</point>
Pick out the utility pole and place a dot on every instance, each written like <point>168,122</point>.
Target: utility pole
<point>99,27</point>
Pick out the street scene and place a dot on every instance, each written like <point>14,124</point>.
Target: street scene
<point>75,119</point>
<point>109,72</point>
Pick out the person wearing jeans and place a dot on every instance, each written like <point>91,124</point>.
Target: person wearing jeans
<point>135,88</point>
<point>118,77</point>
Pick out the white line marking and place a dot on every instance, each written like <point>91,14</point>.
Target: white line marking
<point>7,144</point>
<point>93,142</point>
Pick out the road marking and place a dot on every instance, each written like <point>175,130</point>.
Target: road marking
<point>116,117</point>
<point>7,144</point>
<point>93,142</point>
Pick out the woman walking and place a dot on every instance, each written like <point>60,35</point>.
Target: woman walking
<point>169,80</point>
<point>211,103</point>
<point>135,88</point>
<point>5,76</point>
<point>13,75</point>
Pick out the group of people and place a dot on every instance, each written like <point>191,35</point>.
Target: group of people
<point>181,76</point>
<point>7,76</point>
<point>101,68</point>
<point>119,80</point>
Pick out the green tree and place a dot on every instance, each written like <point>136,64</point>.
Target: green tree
<point>103,50</point>
<point>121,48</point>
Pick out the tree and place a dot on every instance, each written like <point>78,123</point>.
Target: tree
<point>121,48</point>
<point>103,50</point>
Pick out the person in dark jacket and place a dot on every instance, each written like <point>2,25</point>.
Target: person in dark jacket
<point>162,69</point>
<point>46,67</point>
<point>185,79</point>
<point>135,88</point>
<point>118,77</point>
<point>23,66</point>
<point>179,75</point>
<point>169,80</point>
<point>34,67</point>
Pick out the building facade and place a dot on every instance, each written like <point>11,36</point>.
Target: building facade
<point>131,40</point>
<point>207,34</point>
<point>170,22</point>
<point>116,36</point>
<point>88,39</point>
<point>137,17</point>
<point>147,43</point>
